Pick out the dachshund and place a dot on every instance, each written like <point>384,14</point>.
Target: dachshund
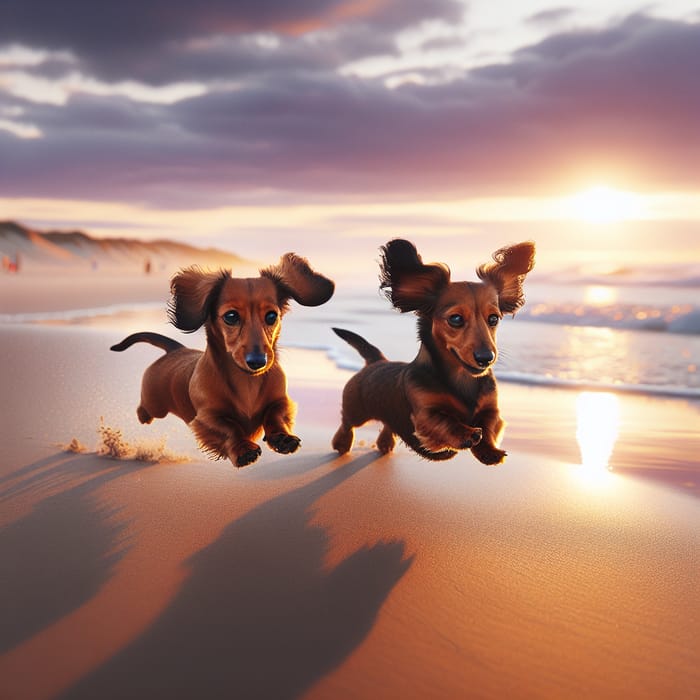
<point>445,400</point>
<point>235,391</point>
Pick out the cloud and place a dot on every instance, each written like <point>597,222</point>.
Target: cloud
<point>553,15</point>
<point>620,101</point>
<point>158,40</point>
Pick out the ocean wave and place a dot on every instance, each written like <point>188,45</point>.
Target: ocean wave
<point>679,275</point>
<point>657,390</point>
<point>354,363</point>
<point>74,315</point>
<point>677,318</point>
<point>559,353</point>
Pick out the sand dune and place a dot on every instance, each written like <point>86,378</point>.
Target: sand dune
<point>63,249</point>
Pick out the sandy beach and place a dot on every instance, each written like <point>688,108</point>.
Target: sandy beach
<point>320,576</point>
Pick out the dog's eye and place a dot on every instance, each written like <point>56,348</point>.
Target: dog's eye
<point>271,318</point>
<point>455,320</point>
<point>493,320</point>
<point>231,318</point>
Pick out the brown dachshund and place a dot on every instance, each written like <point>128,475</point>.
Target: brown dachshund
<point>446,398</point>
<point>235,391</point>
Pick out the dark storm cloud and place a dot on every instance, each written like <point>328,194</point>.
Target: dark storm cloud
<point>157,41</point>
<point>624,98</point>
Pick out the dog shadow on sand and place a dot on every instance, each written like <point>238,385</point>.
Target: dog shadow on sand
<point>58,555</point>
<point>259,615</point>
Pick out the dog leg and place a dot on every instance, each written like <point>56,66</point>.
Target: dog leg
<point>209,440</point>
<point>489,454</point>
<point>284,443</point>
<point>386,441</point>
<point>487,451</point>
<point>437,430</point>
<point>223,438</point>
<point>343,439</point>
<point>143,415</point>
<point>277,423</point>
<point>246,453</point>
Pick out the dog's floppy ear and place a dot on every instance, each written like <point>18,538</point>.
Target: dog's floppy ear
<point>296,280</point>
<point>507,274</point>
<point>192,292</point>
<point>409,284</point>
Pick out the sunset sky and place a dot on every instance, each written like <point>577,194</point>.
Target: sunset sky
<point>329,126</point>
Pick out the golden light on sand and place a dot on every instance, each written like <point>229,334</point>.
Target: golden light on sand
<point>597,427</point>
<point>604,205</point>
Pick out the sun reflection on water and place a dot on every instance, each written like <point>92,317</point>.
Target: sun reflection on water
<point>597,427</point>
<point>599,295</point>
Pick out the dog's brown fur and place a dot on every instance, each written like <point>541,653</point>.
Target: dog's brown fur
<point>235,391</point>
<point>446,399</point>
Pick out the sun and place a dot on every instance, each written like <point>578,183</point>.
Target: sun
<point>605,205</point>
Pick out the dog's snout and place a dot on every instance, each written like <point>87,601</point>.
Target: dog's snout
<point>256,360</point>
<point>484,357</point>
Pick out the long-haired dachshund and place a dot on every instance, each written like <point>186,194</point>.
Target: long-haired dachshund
<point>235,391</point>
<point>445,400</point>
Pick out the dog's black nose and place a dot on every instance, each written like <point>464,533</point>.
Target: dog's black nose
<point>484,357</point>
<point>256,360</point>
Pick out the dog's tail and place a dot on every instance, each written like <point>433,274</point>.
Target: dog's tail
<point>160,341</point>
<point>368,352</point>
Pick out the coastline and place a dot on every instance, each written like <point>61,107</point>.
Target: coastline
<point>317,576</point>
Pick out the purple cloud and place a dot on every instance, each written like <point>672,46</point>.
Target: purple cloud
<point>157,41</point>
<point>623,100</point>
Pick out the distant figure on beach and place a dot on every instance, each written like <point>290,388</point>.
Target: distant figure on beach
<point>147,266</point>
<point>10,265</point>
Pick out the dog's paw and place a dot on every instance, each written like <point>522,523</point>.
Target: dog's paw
<point>472,438</point>
<point>144,416</point>
<point>247,454</point>
<point>284,443</point>
<point>489,454</point>
<point>343,439</point>
<point>386,441</point>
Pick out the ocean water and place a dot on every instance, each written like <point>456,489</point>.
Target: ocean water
<point>627,338</point>
<point>642,338</point>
